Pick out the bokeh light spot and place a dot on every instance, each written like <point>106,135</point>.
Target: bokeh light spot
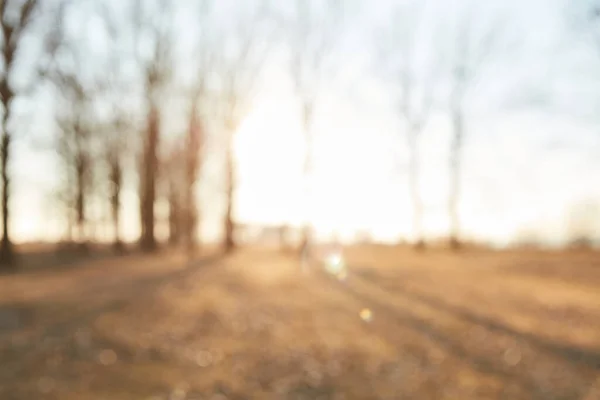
<point>366,315</point>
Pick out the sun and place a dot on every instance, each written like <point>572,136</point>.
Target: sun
<point>340,197</point>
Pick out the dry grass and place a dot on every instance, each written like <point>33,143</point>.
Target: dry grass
<point>482,325</point>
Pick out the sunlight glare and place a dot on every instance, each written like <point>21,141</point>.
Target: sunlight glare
<point>334,265</point>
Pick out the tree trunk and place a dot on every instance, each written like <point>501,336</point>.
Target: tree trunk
<point>455,158</point>
<point>116,180</point>
<point>229,242</point>
<point>80,200</point>
<point>81,183</point>
<point>307,171</point>
<point>116,213</point>
<point>191,226</point>
<point>7,256</point>
<point>12,33</point>
<point>148,182</point>
<point>190,222</point>
<point>193,157</point>
<point>174,214</point>
<point>413,177</point>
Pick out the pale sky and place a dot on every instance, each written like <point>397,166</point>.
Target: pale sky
<point>530,154</point>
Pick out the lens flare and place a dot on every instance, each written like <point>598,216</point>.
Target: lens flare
<point>334,265</point>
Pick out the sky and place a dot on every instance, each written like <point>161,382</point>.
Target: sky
<point>530,155</point>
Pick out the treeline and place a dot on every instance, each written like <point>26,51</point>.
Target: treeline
<point>112,71</point>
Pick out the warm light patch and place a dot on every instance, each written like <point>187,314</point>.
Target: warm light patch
<point>366,315</point>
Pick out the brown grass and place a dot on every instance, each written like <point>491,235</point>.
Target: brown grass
<point>478,324</point>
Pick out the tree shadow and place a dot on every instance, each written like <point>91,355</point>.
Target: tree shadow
<point>52,260</point>
<point>457,344</point>
<point>582,269</point>
<point>588,357</point>
<point>123,294</point>
<point>399,280</point>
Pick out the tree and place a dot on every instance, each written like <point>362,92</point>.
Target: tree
<point>199,99</point>
<point>471,50</point>
<point>117,138</point>
<point>115,151</point>
<point>75,142</point>
<point>193,162</point>
<point>312,33</point>
<point>15,19</point>
<point>174,182</point>
<point>415,68</point>
<point>238,73</point>
<point>180,172</point>
<point>156,70</point>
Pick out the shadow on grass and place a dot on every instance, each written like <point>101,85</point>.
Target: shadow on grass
<point>51,260</point>
<point>123,294</point>
<point>580,269</point>
<point>588,357</point>
<point>456,343</point>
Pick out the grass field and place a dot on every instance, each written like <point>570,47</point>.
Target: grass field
<point>477,325</point>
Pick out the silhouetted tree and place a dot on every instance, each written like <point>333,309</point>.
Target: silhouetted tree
<point>471,50</point>
<point>414,66</point>
<point>174,181</point>
<point>193,160</point>
<point>15,18</point>
<point>115,150</point>
<point>117,138</point>
<point>91,146</point>
<point>238,72</point>
<point>180,173</point>
<point>312,32</point>
<point>74,140</point>
<point>199,99</point>
<point>156,70</point>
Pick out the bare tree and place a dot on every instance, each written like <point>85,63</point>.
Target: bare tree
<point>15,18</point>
<point>155,25</point>
<point>75,142</point>
<point>172,173</point>
<point>471,51</point>
<point>239,71</point>
<point>193,161</point>
<point>180,174</point>
<point>312,32</point>
<point>72,146</point>
<point>117,138</point>
<point>415,68</point>
<point>199,99</point>
<point>115,148</point>
<point>116,179</point>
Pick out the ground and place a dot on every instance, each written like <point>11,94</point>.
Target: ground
<point>401,325</point>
